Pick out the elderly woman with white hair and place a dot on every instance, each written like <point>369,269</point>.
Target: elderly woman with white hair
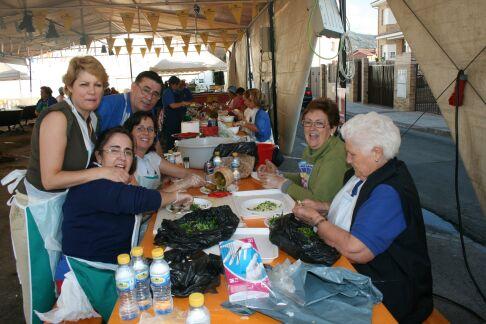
<point>376,219</point>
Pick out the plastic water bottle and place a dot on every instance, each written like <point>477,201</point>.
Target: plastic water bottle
<point>217,160</point>
<point>171,157</point>
<point>198,313</point>
<point>142,281</point>
<point>235,167</point>
<point>160,283</point>
<point>125,285</point>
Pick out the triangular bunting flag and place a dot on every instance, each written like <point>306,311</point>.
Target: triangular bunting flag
<point>224,36</point>
<point>39,21</point>
<point>204,37</point>
<point>67,20</point>
<point>149,42</point>
<point>127,18</point>
<point>182,15</point>
<point>171,50</point>
<point>212,47</point>
<point>128,42</point>
<point>88,42</point>
<point>236,10</point>
<point>186,39</point>
<point>227,45</point>
<point>167,40</point>
<point>117,50</point>
<point>111,41</point>
<point>153,18</point>
<point>185,49</point>
<point>210,13</point>
<point>198,48</point>
<point>157,51</point>
<point>143,50</point>
<point>129,50</point>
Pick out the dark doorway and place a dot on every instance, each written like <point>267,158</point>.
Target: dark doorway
<point>380,84</point>
<point>424,99</point>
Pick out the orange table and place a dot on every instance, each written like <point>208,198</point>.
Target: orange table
<point>213,301</point>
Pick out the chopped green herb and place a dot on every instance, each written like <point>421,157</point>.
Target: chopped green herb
<point>265,206</point>
<point>199,225</point>
<point>308,232</point>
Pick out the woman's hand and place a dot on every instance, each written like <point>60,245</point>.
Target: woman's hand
<point>268,167</point>
<point>308,215</point>
<point>272,181</point>
<point>113,174</point>
<point>321,207</point>
<point>183,199</point>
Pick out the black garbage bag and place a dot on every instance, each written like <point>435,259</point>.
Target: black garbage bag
<point>248,148</point>
<point>193,272</point>
<point>299,241</point>
<point>198,230</point>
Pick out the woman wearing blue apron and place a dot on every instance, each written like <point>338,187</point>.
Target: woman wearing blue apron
<point>61,147</point>
<point>95,231</point>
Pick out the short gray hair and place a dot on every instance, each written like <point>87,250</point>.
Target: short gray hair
<point>373,130</point>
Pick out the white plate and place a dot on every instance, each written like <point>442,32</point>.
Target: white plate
<point>252,203</point>
<point>254,175</point>
<point>203,204</point>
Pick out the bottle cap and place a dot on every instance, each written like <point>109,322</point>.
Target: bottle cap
<point>123,259</point>
<point>170,152</point>
<point>158,253</point>
<point>235,154</point>
<point>216,153</point>
<point>137,251</point>
<point>196,300</point>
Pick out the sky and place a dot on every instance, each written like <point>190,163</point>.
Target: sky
<point>362,17</point>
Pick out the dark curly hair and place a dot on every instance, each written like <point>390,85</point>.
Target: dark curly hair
<point>105,137</point>
<point>327,106</point>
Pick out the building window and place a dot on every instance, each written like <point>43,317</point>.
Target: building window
<point>391,55</point>
<point>388,18</point>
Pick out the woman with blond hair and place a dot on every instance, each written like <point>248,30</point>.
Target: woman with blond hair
<point>257,120</point>
<point>61,147</point>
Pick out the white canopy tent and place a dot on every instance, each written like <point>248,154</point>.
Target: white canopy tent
<point>12,72</point>
<point>180,63</point>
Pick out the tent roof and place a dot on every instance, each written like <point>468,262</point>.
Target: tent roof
<point>179,63</point>
<point>9,72</point>
<point>101,18</point>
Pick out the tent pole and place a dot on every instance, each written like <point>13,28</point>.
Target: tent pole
<point>30,74</point>
<point>130,60</point>
<point>274,72</point>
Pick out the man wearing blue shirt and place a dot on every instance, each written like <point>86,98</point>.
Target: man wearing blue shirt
<point>174,111</point>
<point>115,109</point>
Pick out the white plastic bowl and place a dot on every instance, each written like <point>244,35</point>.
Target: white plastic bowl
<point>227,119</point>
<point>234,130</point>
<point>200,150</point>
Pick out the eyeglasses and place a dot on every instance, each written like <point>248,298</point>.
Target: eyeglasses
<point>143,129</point>
<point>316,124</point>
<point>115,150</point>
<point>148,92</point>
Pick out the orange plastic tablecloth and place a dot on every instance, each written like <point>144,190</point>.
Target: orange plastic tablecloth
<point>213,301</point>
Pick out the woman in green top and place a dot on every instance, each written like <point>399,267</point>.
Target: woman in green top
<point>321,171</point>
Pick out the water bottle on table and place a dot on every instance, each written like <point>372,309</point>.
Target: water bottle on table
<point>217,160</point>
<point>125,286</point>
<point>235,168</point>
<point>160,283</point>
<point>142,281</point>
<point>198,313</point>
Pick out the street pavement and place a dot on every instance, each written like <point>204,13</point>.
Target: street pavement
<point>428,152</point>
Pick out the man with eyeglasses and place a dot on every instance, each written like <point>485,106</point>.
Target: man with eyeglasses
<point>144,93</point>
<point>175,107</point>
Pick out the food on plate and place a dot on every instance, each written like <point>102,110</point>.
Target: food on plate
<point>266,206</point>
<point>199,225</point>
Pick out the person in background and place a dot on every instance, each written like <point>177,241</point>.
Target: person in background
<point>376,219</point>
<point>45,101</point>
<point>62,142</point>
<point>323,164</point>
<point>236,105</point>
<point>257,120</point>
<point>95,231</point>
<point>113,91</point>
<point>174,111</point>
<point>115,109</point>
<point>185,92</point>
<point>60,98</point>
<point>150,166</point>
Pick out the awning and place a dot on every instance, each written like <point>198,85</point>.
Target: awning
<point>10,72</point>
<point>192,63</point>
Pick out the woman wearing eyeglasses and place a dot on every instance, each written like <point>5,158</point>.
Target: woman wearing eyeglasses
<point>95,231</point>
<point>150,166</point>
<point>321,171</point>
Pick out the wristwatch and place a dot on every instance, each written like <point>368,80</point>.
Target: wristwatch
<point>315,228</point>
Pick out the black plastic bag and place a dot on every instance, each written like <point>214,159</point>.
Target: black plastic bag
<point>299,241</point>
<point>277,156</point>
<point>172,234</point>
<point>248,148</point>
<point>193,272</point>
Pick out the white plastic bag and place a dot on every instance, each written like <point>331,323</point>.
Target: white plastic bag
<point>72,304</point>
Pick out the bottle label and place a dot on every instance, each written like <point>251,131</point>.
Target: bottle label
<point>160,280</point>
<point>141,275</point>
<point>125,285</point>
